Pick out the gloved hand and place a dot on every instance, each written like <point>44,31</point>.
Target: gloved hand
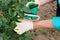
<point>33,6</point>
<point>24,26</point>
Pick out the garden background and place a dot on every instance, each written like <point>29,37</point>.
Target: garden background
<point>47,11</point>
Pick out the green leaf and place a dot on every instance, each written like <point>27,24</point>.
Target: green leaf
<point>4,20</point>
<point>28,38</point>
<point>6,2</point>
<point>19,1</point>
<point>44,31</point>
<point>28,34</point>
<point>37,32</point>
<point>9,11</point>
<point>23,2</point>
<point>21,14</point>
<point>13,25</point>
<point>14,1</point>
<point>21,38</point>
<point>26,9</point>
<point>18,7</point>
<point>0,23</point>
<point>12,14</point>
<point>4,36</point>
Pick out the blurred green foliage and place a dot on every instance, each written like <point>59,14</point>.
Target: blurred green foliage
<point>10,9</point>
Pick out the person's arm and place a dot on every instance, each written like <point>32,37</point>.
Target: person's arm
<point>53,23</point>
<point>43,24</point>
<point>43,2</point>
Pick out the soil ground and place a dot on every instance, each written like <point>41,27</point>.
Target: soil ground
<point>47,12</point>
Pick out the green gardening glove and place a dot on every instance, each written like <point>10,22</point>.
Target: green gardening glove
<point>34,10</point>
